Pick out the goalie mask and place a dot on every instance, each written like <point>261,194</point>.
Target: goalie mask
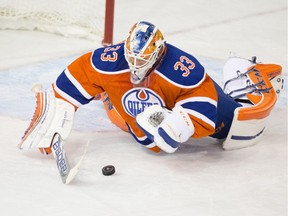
<point>144,50</point>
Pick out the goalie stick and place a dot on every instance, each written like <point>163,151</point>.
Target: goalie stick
<point>66,172</point>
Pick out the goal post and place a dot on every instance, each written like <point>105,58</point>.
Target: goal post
<point>92,19</point>
<point>109,23</point>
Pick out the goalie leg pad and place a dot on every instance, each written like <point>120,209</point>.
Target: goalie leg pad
<point>244,133</point>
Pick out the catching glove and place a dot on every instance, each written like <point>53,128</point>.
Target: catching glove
<point>52,115</point>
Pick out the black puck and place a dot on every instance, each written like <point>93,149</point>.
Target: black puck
<point>108,170</point>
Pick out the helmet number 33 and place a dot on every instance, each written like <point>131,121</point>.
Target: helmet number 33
<point>186,69</point>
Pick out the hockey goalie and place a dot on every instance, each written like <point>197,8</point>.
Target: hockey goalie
<point>160,94</point>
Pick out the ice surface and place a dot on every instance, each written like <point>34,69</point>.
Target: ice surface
<point>200,178</point>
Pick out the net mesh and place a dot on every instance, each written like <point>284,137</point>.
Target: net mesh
<point>73,18</point>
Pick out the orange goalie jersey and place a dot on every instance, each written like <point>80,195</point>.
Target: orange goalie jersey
<point>179,80</point>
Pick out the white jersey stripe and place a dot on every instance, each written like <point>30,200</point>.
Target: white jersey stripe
<point>66,96</point>
<point>77,84</point>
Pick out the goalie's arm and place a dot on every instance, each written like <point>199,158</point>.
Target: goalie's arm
<point>75,85</point>
<point>55,109</point>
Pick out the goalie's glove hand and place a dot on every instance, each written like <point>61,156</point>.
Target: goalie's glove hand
<point>52,115</point>
<point>165,127</point>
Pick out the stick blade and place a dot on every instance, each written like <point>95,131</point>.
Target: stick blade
<point>66,172</point>
<point>73,172</point>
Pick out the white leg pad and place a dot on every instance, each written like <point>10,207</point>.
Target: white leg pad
<point>244,133</point>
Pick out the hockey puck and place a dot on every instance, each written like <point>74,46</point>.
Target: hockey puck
<point>108,170</point>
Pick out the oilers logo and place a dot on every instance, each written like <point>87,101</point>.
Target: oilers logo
<point>137,99</point>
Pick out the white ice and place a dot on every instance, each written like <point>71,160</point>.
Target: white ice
<point>200,178</point>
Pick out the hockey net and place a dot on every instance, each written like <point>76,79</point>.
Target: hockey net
<point>70,18</point>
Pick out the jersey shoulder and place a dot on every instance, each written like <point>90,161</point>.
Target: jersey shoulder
<point>110,59</point>
<point>181,69</point>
